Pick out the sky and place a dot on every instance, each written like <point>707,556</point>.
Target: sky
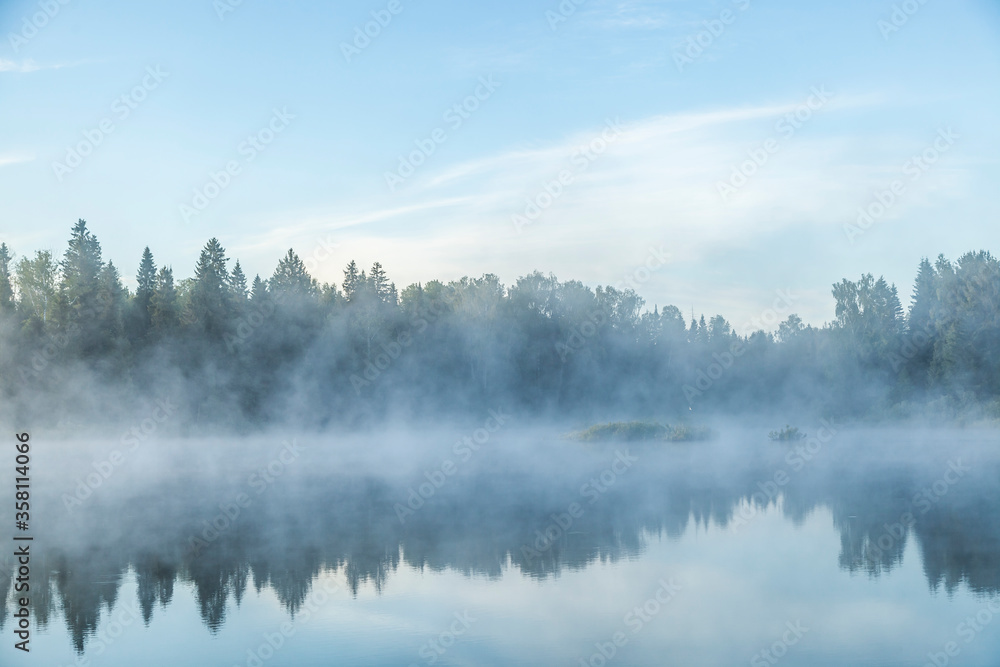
<point>716,156</point>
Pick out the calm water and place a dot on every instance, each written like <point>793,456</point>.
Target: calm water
<point>878,548</point>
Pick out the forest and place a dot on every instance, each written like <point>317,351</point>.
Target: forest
<point>77,347</point>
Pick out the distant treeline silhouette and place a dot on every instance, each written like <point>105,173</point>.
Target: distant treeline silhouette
<point>238,353</point>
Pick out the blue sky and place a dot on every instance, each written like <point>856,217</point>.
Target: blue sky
<point>663,132</point>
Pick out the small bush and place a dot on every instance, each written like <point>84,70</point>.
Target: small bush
<point>786,434</point>
<point>637,431</point>
<point>625,431</point>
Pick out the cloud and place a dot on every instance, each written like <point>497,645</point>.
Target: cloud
<point>314,227</point>
<point>634,14</point>
<point>656,184</point>
<point>15,158</point>
<point>29,65</point>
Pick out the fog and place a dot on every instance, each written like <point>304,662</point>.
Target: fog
<point>229,435</point>
<point>220,353</point>
<point>276,511</point>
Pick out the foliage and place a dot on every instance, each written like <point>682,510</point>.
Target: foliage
<point>788,433</point>
<point>362,350</point>
<point>622,431</point>
<point>638,431</point>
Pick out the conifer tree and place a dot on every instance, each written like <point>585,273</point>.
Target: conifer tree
<point>291,278</point>
<point>81,265</point>
<point>239,284</point>
<point>164,313</point>
<point>211,298</point>
<point>351,281</point>
<point>258,292</point>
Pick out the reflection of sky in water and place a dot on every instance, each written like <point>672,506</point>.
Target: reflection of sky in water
<point>737,593</point>
<point>740,585</point>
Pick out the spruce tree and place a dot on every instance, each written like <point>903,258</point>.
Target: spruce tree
<point>111,297</point>
<point>351,281</point>
<point>239,284</point>
<point>139,317</point>
<point>211,296</point>
<point>164,314</point>
<point>81,265</point>
<point>291,277</point>
<point>258,292</point>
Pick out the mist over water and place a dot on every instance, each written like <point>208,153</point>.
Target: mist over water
<point>219,526</point>
<point>217,353</point>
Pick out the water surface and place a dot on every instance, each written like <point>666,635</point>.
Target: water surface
<point>870,548</point>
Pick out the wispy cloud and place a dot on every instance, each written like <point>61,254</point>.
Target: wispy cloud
<point>633,14</point>
<point>15,158</point>
<point>29,65</point>
<point>314,225</point>
<point>656,184</point>
<point>642,135</point>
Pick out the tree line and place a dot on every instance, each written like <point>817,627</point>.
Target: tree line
<point>235,352</point>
